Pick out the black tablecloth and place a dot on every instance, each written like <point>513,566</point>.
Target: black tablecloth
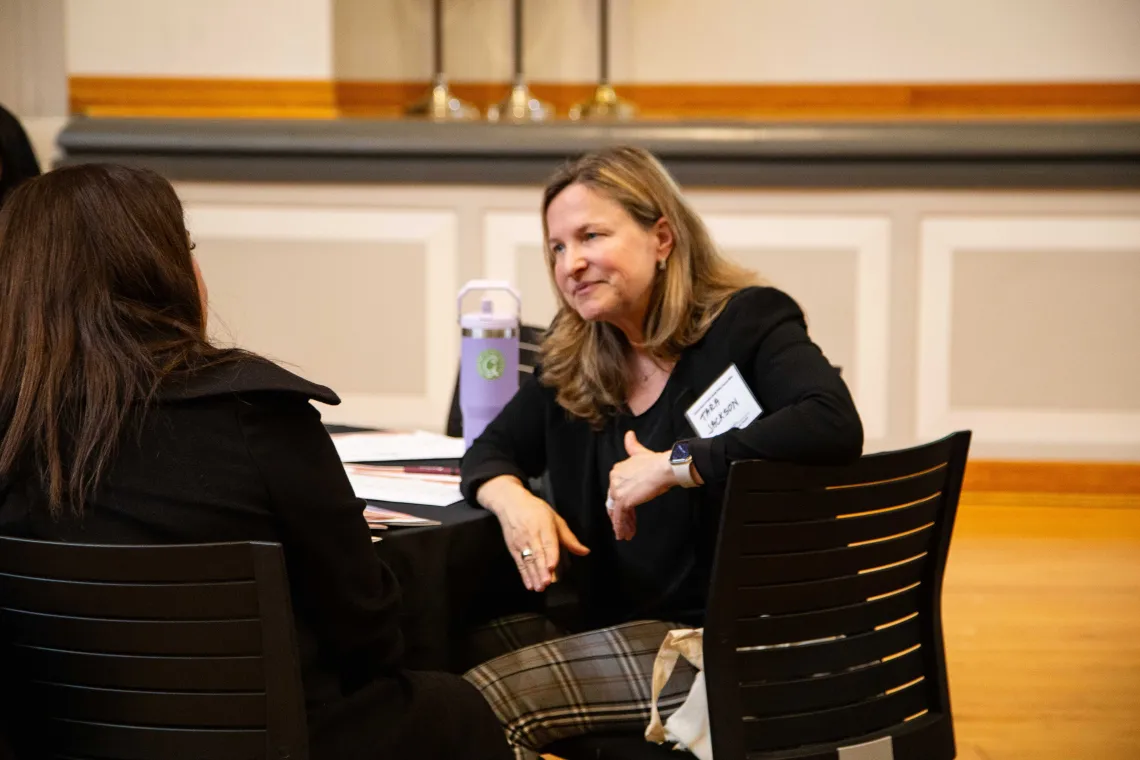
<point>454,576</point>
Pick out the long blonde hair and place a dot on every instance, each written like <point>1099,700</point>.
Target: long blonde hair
<point>586,362</point>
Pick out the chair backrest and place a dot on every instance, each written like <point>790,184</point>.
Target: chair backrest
<point>530,341</point>
<point>823,637</point>
<point>147,652</point>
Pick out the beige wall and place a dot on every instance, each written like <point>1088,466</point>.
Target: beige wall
<point>33,75</point>
<point>1013,314</point>
<point>32,72</point>
<point>1047,326</point>
<point>285,39</point>
<point>793,41</point>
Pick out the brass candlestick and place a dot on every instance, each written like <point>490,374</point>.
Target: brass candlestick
<point>440,104</point>
<point>605,103</point>
<point>520,105</point>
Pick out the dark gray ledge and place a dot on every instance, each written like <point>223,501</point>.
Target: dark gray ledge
<point>1075,154</point>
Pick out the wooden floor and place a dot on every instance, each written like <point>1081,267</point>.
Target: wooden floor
<point>1041,612</point>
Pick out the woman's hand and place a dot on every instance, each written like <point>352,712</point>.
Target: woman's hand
<point>533,531</point>
<point>634,481</point>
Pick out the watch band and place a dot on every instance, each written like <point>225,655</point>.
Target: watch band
<point>683,474</point>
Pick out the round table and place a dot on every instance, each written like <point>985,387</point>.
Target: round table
<point>454,576</point>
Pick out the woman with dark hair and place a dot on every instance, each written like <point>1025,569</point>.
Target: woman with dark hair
<point>121,423</point>
<point>17,159</point>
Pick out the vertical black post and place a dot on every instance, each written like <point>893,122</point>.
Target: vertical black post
<point>604,42</point>
<point>439,104</point>
<point>437,40</point>
<point>520,105</point>
<point>518,40</point>
<point>604,103</point>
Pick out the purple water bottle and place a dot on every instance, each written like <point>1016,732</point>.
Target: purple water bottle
<point>489,361</point>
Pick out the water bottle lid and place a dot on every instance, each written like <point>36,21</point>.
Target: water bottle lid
<point>487,319</point>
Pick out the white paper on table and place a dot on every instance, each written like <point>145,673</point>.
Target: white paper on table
<point>405,490</point>
<point>380,518</point>
<point>392,447</point>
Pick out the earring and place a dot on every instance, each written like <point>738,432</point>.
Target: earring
<point>661,265</point>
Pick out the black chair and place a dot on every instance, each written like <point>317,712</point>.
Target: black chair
<point>848,562</point>
<point>530,340</point>
<point>141,652</point>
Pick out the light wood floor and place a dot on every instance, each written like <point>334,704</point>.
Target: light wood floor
<point>1041,613</point>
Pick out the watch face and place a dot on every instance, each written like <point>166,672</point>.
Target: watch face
<point>680,451</point>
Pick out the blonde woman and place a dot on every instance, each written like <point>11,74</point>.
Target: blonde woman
<point>652,321</point>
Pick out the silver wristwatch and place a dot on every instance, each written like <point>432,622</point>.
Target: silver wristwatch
<point>681,459</point>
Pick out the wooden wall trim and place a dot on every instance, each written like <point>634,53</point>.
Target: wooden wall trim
<point>246,98</point>
<point>186,97</point>
<point>1107,478</point>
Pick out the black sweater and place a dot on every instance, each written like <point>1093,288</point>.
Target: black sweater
<point>808,417</point>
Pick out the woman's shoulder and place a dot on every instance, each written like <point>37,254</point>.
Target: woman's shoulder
<point>756,308</point>
<point>241,376</point>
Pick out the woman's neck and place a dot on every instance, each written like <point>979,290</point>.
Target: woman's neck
<point>647,378</point>
<point>644,365</point>
<point>632,324</point>
<point>633,331</point>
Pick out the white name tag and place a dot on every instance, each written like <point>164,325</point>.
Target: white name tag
<point>728,403</point>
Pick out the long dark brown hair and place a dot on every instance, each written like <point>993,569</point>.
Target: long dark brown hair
<point>98,304</point>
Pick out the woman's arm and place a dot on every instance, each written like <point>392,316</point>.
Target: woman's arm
<point>511,450</point>
<point>810,417</point>
<point>514,443</point>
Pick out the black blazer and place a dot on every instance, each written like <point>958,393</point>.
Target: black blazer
<point>808,416</point>
<point>237,453</point>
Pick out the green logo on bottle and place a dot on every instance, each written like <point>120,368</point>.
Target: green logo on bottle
<point>491,364</point>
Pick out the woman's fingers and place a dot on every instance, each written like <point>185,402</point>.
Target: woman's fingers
<point>533,574</point>
<point>630,524</point>
<point>567,538</point>
<point>528,568</point>
<point>613,513</point>
<point>534,534</point>
<point>550,557</point>
<point>539,572</point>
<point>622,518</point>
<point>523,552</point>
<point>529,560</point>
<point>521,565</point>
<point>617,520</point>
<point>617,512</point>
<point>538,553</point>
<point>546,549</point>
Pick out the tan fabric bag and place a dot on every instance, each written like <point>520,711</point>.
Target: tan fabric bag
<point>689,726</point>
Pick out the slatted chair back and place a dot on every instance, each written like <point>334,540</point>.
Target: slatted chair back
<point>149,652</point>
<point>823,638</point>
